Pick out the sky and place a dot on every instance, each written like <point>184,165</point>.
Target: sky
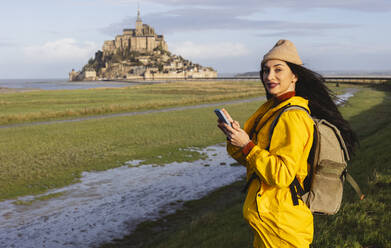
<point>49,38</point>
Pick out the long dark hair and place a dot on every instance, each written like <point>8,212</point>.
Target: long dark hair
<point>311,86</point>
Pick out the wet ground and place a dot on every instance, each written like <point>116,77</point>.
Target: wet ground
<point>107,205</point>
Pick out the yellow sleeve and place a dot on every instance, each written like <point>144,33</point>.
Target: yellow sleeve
<point>236,153</point>
<point>292,139</point>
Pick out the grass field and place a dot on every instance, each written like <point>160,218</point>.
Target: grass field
<point>34,159</point>
<point>43,105</point>
<point>37,158</point>
<point>216,220</point>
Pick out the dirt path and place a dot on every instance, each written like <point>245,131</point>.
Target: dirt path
<point>134,113</point>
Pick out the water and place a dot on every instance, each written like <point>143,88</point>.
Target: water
<point>108,204</point>
<point>57,84</point>
<point>345,97</point>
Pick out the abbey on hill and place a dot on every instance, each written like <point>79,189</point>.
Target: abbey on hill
<point>139,54</point>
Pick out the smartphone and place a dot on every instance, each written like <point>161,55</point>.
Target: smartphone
<point>222,117</point>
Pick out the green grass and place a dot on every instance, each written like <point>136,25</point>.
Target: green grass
<point>39,105</point>
<point>216,220</point>
<point>34,159</point>
<point>37,158</point>
<point>365,223</point>
<point>56,104</point>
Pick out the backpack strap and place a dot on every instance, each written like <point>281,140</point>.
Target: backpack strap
<point>312,160</point>
<point>296,190</point>
<point>295,187</point>
<point>355,186</point>
<point>273,125</point>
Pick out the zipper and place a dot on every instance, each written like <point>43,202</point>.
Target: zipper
<point>256,200</point>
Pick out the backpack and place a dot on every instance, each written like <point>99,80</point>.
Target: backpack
<point>323,186</point>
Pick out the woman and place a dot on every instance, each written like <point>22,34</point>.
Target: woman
<point>276,161</point>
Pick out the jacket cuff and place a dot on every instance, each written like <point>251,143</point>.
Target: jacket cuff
<point>247,149</point>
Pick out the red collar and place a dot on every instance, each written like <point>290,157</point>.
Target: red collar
<point>285,96</point>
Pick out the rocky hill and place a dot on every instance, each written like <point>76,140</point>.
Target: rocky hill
<point>139,54</point>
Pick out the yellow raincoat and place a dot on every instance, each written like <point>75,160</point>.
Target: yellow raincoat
<point>268,207</point>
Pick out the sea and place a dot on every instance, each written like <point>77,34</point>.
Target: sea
<point>64,84</point>
<point>59,84</point>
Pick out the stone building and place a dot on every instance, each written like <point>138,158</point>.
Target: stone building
<point>85,75</point>
<point>141,39</point>
<point>139,54</point>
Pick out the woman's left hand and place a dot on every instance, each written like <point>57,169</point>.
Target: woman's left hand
<point>236,135</point>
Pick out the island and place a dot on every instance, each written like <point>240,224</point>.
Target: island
<point>139,54</point>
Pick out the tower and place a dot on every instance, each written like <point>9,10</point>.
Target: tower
<point>139,24</point>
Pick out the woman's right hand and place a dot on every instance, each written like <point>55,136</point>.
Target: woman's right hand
<point>236,135</point>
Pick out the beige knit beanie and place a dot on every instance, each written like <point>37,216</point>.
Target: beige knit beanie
<point>283,50</point>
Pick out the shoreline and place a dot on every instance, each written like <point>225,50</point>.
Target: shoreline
<point>14,90</point>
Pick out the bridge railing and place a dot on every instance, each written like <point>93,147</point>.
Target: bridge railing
<point>332,79</point>
<point>329,79</point>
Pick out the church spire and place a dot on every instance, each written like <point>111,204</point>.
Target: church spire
<point>139,23</point>
<point>138,12</point>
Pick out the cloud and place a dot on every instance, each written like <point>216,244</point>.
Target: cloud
<point>63,50</point>
<point>350,49</point>
<point>291,33</point>
<point>191,50</point>
<point>357,5</point>
<point>4,43</point>
<point>198,19</point>
<point>256,5</point>
<point>342,55</point>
